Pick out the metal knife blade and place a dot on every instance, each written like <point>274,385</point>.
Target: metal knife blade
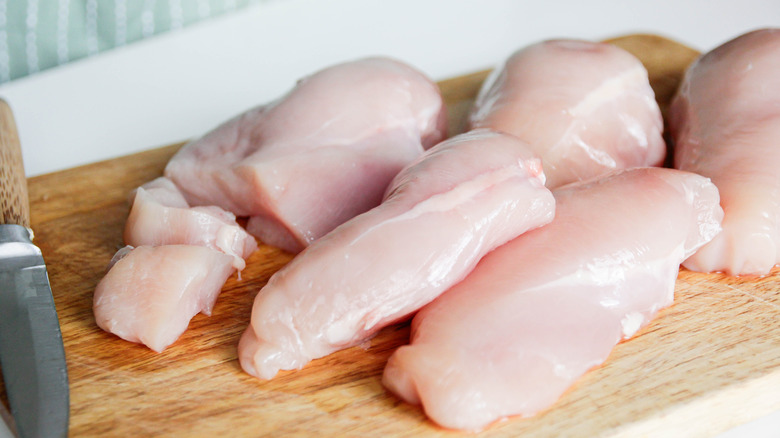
<point>32,357</point>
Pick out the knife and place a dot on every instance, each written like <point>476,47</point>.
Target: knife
<point>32,357</point>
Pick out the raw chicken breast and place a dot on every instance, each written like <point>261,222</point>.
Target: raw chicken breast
<point>725,122</point>
<point>325,152</point>
<point>538,312</point>
<point>150,294</point>
<point>163,191</point>
<point>161,216</point>
<point>586,108</point>
<point>463,198</point>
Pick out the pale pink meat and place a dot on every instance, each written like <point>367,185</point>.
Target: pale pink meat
<point>586,108</point>
<point>150,294</point>
<point>539,311</point>
<point>161,216</point>
<point>163,191</point>
<point>725,122</point>
<point>461,199</point>
<point>323,153</point>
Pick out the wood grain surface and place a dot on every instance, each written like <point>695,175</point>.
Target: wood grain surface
<point>708,362</point>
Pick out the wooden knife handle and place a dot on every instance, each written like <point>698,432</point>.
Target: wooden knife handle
<point>14,203</point>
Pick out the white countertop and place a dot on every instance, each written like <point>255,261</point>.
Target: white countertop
<point>179,85</point>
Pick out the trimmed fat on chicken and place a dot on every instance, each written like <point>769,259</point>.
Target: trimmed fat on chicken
<point>538,312</point>
<point>463,198</point>
<point>586,108</point>
<point>161,216</point>
<point>150,294</point>
<point>725,122</point>
<point>318,156</point>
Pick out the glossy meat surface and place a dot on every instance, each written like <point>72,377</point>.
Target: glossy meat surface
<point>725,121</point>
<point>463,198</point>
<point>150,294</point>
<point>161,216</point>
<point>586,108</point>
<point>318,156</point>
<point>538,312</point>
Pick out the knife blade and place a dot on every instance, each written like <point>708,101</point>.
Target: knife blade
<point>32,356</point>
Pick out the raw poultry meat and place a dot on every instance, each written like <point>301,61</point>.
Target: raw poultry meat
<point>150,294</point>
<point>161,216</point>
<point>725,122</point>
<point>538,312</point>
<point>586,108</point>
<point>461,199</point>
<point>323,153</point>
<point>175,263</point>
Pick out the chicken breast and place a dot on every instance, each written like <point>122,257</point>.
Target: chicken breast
<point>538,312</point>
<point>586,108</point>
<point>150,294</point>
<point>161,216</point>
<point>725,122</point>
<point>463,198</point>
<point>325,152</point>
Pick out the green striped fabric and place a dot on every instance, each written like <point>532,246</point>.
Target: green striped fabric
<point>40,34</point>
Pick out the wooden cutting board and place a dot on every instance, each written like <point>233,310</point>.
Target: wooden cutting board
<point>709,362</point>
